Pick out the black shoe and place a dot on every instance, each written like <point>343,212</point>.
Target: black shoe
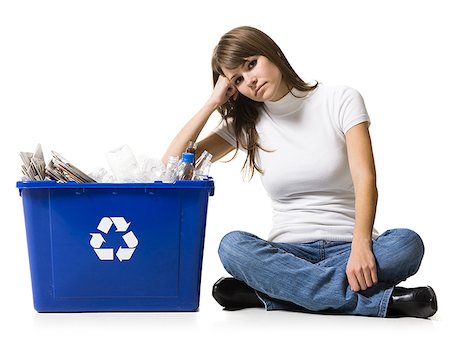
<point>414,302</point>
<point>233,294</point>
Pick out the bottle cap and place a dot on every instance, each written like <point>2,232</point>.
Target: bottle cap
<point>187,157</point>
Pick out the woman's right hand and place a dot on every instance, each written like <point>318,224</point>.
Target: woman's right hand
<point>223,91</point>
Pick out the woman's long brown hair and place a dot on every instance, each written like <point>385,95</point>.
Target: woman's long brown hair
<point>231,52</point>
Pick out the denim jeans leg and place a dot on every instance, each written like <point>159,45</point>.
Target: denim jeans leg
<point>399,253</point>
<point>283,276</point>
<point>370,302</point>
<point>287,278</point>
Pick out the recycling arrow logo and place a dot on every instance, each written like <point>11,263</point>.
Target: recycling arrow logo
<point>122,253</point>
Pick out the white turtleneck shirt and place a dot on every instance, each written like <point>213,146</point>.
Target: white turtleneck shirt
<point>306,170</point>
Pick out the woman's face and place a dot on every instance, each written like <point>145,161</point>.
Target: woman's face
<point>258,79</point>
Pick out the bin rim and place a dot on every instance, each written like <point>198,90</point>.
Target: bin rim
<point>52,184</point>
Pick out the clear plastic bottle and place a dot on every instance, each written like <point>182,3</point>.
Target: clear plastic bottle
<point>191,147</point>
<point>170,175</point>
<point>186,168</point>
<point>201,158</point>
<point>202,166</point>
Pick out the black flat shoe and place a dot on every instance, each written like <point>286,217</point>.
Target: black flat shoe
<point>233,294</point>
<point>412,302</point>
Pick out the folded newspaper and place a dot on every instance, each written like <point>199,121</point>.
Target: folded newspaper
<point>58,168</point>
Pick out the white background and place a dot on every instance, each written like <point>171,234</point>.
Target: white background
<point>84,77</point>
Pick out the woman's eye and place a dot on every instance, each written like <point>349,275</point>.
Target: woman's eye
<point>238,80</point>
<point>251,64</point>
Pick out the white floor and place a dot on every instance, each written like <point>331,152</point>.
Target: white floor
<point>211,319</point>
<point>18,315</point>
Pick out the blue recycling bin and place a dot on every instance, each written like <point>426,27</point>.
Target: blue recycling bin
<point>115,247</point>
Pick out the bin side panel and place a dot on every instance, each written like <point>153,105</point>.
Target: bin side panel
<point>193,213</point>
<point>36,216</point>
<point>152,269</point>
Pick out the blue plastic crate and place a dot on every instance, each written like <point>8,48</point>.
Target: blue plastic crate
<point>115,247</point>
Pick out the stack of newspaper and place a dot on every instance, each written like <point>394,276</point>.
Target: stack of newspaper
<point>58,168</point>
<point>33,167</point>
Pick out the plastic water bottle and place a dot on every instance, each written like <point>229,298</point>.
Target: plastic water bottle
<point>191,147</point>
<point>202,166</point>
<point>170,175</point>
<point>201,158</point>
<point>186,168</point>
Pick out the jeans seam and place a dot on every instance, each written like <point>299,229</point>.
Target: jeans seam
<point>322,250</point>
<point>382,310</point>
<point>267,305</point>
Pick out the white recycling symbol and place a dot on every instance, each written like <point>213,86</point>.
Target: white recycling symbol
<point>123,253</point>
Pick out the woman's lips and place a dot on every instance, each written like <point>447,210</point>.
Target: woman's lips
<point>258,90</point>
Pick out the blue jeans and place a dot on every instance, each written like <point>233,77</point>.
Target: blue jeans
<point>310,277</point>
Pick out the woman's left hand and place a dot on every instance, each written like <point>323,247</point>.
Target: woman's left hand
<point>361,267</point>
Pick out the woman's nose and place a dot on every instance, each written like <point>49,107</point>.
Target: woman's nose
<point>249,79</point>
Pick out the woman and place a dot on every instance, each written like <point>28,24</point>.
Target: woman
<point>312,147</point>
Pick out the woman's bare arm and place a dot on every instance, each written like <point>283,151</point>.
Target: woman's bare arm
<point>217,146</point>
